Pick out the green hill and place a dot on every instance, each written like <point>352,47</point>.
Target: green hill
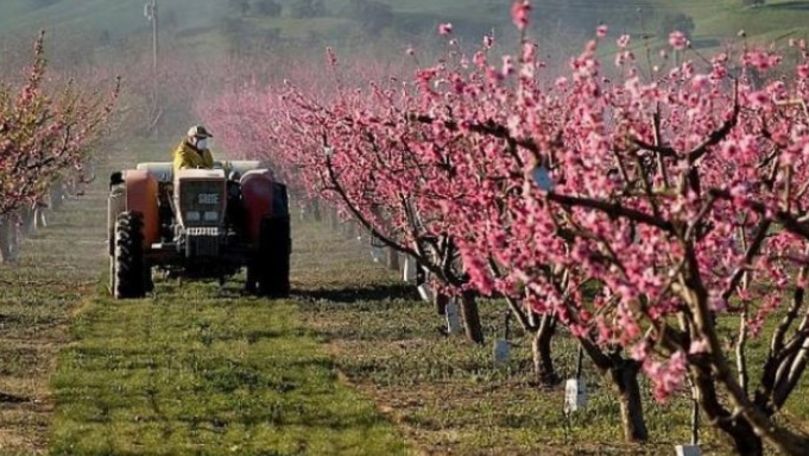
<point>217,25</point>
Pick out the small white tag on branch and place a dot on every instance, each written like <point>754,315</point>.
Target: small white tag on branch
<point>542,177</point>
<point>575,395</point>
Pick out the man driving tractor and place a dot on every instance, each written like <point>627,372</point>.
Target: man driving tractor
<point>193,152</point>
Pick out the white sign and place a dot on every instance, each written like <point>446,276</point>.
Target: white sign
<point>453,321</point>
<point>542,177</point>
<point>575,395</point>
<point>688,450</point>
<point>502,350</point>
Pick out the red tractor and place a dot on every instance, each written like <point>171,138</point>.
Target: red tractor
<point>199,223</point>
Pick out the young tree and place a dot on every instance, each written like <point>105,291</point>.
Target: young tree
<point>42,134</point>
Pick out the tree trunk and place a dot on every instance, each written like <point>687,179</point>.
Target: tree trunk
<point>315,204</point>
<point>334,219</point>
<point>471,317</point>
<point>541,348</point>
<point>347,230</point>
<point>27,216</point>
<point>625,377</point>
<point>57,195</point>
<point>740,432</point>
<point>5,239</point>
<point>441,300</point>
<point>393,260</point>
<point>622,373</point>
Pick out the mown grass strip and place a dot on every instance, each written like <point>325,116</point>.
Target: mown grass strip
<point>199,370</point>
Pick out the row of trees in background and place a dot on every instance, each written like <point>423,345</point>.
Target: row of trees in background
<point>657,216</point>
<point>45,132</point>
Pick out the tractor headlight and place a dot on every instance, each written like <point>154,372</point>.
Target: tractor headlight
<point>211,216</point>
<point>192,216</point>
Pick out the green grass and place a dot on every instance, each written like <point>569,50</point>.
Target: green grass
<point>58,267</point>
<point>196,369</point>
<point>199,370</point>
<point>447,395</point>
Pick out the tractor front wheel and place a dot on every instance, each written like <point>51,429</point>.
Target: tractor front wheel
<point>128,268</point>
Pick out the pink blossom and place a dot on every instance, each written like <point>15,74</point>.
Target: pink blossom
<point>601,31</point>
<point>445,29</point>
<point>521,13</point>
<point>678,40</point>
<point>508,65</point>
<point>668,376</point>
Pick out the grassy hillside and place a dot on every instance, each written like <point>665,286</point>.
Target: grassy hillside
<point>723,19</point>
<point>211,26</point>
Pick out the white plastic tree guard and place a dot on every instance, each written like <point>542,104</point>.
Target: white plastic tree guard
<point>688,450</point>
<point>409,271</point>
<point>502,351</point>
<point>453,319</point>
<point>425,292</point>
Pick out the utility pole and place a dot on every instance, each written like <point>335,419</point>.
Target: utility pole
<point>151,13</point>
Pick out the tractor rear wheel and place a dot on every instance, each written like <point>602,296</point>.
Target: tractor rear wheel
<point>271,267</point>
<point>128,268</point>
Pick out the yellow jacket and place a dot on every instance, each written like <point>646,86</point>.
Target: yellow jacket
<point>188,157</point>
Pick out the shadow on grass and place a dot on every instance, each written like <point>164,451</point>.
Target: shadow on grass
<point>11,399</point>
<point>355,294</point>
<point>794,6</point>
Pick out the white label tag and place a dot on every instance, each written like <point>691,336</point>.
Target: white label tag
<point>542,177</point>
<point>453,321</point>
<point>575,395</point>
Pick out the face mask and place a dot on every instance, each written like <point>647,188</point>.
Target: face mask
<point>202,144</point>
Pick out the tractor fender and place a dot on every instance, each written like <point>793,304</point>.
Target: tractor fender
<point>141,196</point>
<point>263,197</point>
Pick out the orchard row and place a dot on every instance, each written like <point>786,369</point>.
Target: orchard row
<point>45,132</point>
<point>639,204</point>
